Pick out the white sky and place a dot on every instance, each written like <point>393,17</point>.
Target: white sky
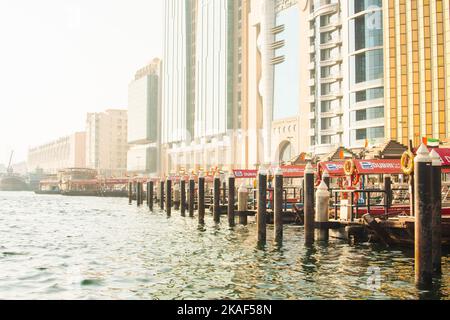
<point>60,59</point>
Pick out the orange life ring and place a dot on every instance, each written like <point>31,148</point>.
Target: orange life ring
<point>407,163</point>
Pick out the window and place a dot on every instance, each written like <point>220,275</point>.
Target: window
<point>366,95</point>
<point>325,72</point>
<point>362,5</point>
<point>325,123</point>
<point>325,54</point>
<point>361,134</point>
<point>368,66</point>
<point>367,30</point>
<point>325,106</point>
<point>325,20</point>
<point>325,88</point>
<point>325,37</point>
<point>326,139</point>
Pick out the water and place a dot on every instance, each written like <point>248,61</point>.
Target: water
<point>54,247</point>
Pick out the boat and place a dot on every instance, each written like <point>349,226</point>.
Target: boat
<point>11,181</point>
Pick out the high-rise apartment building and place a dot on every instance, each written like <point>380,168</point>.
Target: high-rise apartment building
<point>65,152</point>
<point>106,142</point>
<point>201,75</point>
<point>144,125</point>
<point>417,69</point>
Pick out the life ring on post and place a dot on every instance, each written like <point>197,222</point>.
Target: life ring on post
<point>349,167</point>
<point>407,163</point>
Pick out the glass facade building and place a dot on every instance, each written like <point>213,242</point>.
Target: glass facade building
<point>366,68</point>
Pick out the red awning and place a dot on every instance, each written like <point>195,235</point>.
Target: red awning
<point>335,169</point>
<point>444,153</point>
<point>84,182</point>
<point>378,166</point>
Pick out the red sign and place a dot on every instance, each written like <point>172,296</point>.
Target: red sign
<point>379,166</point>
<point>335,169</point>
<point>245,174</point>
<point>293,171</point>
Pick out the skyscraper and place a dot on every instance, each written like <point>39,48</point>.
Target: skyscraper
<point>417,64</point>
<point>201,84</point>
<point>144,125</point>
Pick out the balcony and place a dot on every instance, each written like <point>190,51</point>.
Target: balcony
<point>312,49</point>
<point>311,65</point>
<point>311,82</point>
<point>312,132</point>
<point>311,99</point>
<point>331,96</point>
<point>324,8</point>
<point>336,42</point>
<point>311,116</point>
<point>331,26</point>
<point>331,62</point>
<point>331,78</point>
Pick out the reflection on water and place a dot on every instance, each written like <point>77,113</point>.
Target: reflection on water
<point>54,247</point>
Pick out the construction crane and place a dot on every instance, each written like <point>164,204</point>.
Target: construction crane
<point>10,169</point>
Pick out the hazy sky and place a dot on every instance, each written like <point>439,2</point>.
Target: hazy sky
<point>60,59</point>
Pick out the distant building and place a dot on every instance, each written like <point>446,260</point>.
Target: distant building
<point>106,142</point>
<point>66,152</point>
<point>144,125</point>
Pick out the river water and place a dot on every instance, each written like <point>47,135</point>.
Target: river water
<point>54,247</point>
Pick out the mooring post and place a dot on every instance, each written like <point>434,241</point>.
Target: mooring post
<point>138,194</point>
<point>436,200</point>
<point>308,207</point>
<point>388,190</point>
<point>161,194</point>
<point>326,179</point>
<point>243,204</point>
<point>150,195</point>
<point>412,199</point>
<point>183,197</point>
<point>130,193</point>
<point>278,206</point>
<point>191,196</point>
<point>224,192</point>
<point>423,221</point>
<point>201,200</point>
<point>176,196</point>
<point>169,197</point>
<point>262,206</point>
<point>231,190</point>
<point>216,208</point>
<point>322,211</point>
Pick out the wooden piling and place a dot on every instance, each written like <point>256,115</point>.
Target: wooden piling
<point>230,209</point>
<point>169,197</point>
<point>423,221</point>
<point>138,194</point>
<point>262,207</point>
<point>191,196</point>
<point>216,198</point>
<point>278,206</point>
<point>308,206</point>
<point>150,188</point>
<point>201,200</point>
<point>387,180</point>
<point>436,200</point>
<point>130,193</point>
<point>161,194</point>
<point>243,204</point>
<point>183,197</point>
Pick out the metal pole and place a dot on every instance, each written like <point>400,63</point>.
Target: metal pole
<point>309,204</point>
<point>423,222</point>
<point>388,190</point>
<point>436,200</point>
<point>231,190</point>
<point>130,193</point>
<point>262,207</point>
<point>278,206</point>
